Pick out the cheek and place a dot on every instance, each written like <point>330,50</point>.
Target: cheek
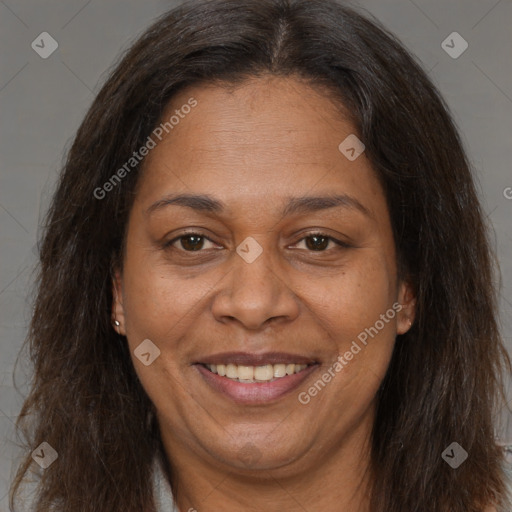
<point>355,297</point>
<point>348,307</point>
<point>159,304</point>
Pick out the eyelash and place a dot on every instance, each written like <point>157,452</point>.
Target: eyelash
<point>339,243</point>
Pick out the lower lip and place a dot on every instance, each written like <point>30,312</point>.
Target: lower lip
<point>257,392</point>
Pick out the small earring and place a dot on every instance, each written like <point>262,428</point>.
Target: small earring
<point>117,323</point>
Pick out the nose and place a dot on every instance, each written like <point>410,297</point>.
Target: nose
<point>255,294</point>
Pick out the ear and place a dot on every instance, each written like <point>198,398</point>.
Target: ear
<point>117,303</point>
<point>406,315</point>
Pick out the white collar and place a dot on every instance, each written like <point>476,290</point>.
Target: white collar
<point>162,491</point>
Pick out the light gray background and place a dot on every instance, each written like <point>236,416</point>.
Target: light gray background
<point>42,102</point>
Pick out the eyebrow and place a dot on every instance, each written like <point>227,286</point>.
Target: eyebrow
<point>296,205</point>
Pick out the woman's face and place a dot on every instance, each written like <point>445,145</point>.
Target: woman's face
<point>225,266</point>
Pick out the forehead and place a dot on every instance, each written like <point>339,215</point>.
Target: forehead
<point>268,138</point>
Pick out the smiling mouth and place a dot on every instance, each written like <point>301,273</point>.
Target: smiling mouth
<point>255,374</point>
<point>255,379</point>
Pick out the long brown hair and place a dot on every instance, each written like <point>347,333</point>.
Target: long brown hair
<point>445,379</point>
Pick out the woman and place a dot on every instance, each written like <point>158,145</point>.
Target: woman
<point>265,281</point>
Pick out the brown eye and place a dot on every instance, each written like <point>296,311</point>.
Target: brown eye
<point>192,242</point>
<point>317,242</point>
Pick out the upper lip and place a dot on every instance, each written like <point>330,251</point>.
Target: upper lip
<point>248,359</point>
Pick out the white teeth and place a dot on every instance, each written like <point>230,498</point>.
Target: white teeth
<point>279,370</point>
<point>245,372</point>
<point>250,374</point>
<point>264,372</point>
<point>290,368</point>
<point>232,371</point>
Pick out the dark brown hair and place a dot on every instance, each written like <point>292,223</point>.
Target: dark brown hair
<point>445,377</point>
